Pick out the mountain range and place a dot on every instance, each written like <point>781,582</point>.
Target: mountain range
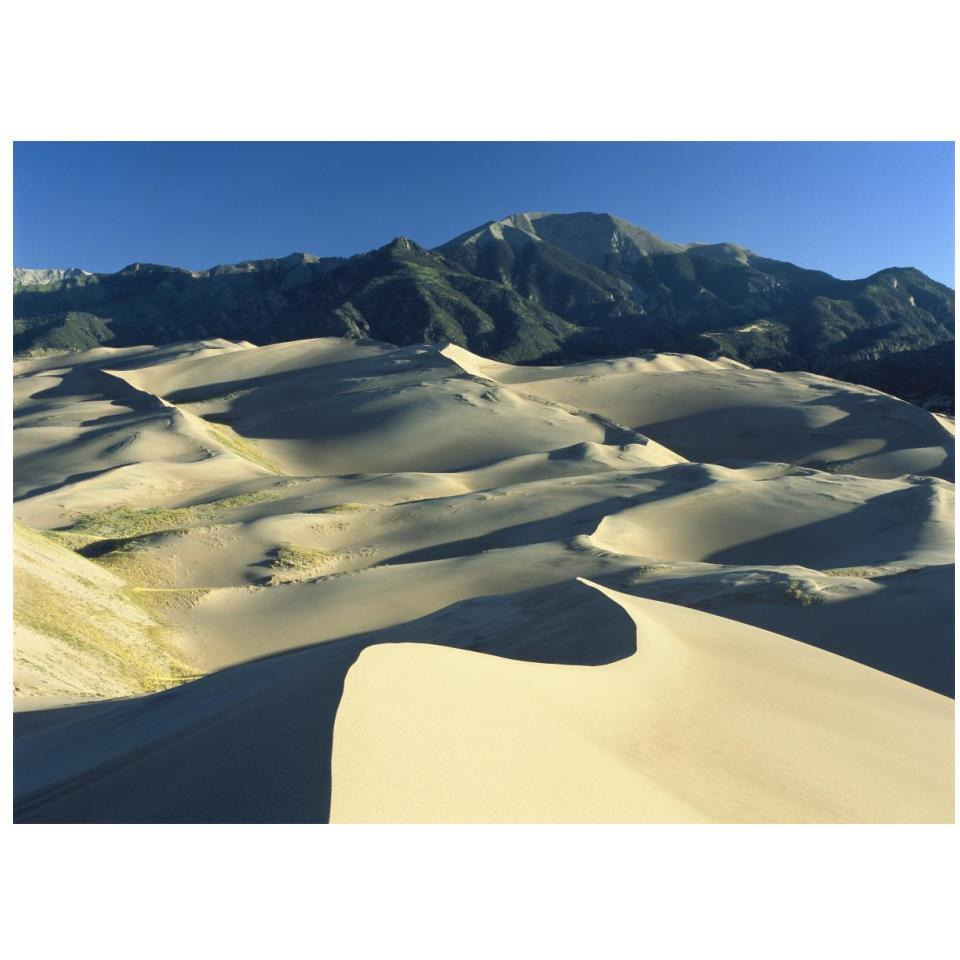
<point>530,288</point>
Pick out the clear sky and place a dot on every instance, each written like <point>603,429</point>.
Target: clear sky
<point>848,208</point>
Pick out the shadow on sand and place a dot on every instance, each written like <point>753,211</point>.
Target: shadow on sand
<point>253,743</point>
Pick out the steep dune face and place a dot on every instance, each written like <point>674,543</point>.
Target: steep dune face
<point>82,421</point>
<point>709,721</point>
<point>868,614</point>
<point>275,513</point>
<point>253,742</point>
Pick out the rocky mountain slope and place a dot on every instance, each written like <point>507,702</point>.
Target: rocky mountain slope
<point>532,287</point>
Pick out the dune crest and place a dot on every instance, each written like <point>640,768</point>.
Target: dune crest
<point>708,721</point>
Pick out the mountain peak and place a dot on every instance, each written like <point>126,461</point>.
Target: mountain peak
<point>401,248</point>
<point>296,259</point>
<point>591,237</point>
<point>150,268</point>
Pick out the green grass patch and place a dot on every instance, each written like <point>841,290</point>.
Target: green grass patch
<point>134,562</point>
<point>802,593</point>
<point>291,563</point>
<point>864,573</point>
<point>123,523</point>
<point>242,447</point>
<point>123,643</point>
<point>346,508</point>
<point>71,539</point>
<point>159,600</point>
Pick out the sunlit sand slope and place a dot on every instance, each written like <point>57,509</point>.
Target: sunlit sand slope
<point>708,721</point>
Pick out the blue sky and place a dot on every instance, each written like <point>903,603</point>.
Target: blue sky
<point>848,208</point>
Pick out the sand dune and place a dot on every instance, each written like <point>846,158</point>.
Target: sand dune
<point>335,406</point>
<point>420,517</point>
<point>715,411</point>
<point>79,632</point>
<point>253,742</point>
<point>632,721</point>
<point>530,534</point>
<point>429,734</point>
<point>868,614</point>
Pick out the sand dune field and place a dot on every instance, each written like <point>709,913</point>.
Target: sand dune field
<point>340,580</point>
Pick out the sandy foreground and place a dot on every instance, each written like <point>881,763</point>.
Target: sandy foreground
<point>339,580</point>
